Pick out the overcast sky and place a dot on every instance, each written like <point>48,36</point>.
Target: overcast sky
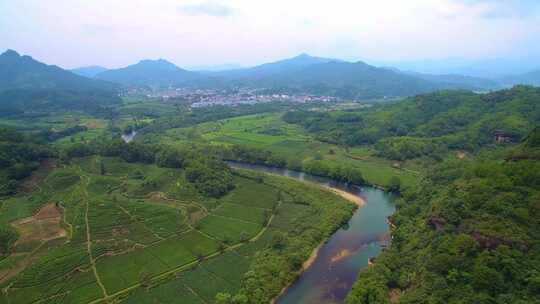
<point>114,33</point>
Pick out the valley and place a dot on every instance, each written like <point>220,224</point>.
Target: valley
<point>284,179</point>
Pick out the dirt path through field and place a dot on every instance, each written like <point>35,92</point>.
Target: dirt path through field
<point>88,235</point>
<point>192,263</point>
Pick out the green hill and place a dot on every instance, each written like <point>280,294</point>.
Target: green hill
<point>468,235</point>
<point>27,85</point>
<point>430,124</point>
<point>323,76</point>
<point>19,156</point>
<point>24,72</point>
<point>160,73</point>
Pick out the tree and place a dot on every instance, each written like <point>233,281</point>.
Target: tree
<point>394,185</point>
<point>279,240</point>
<point>240,299</point>
<point>145,279</point>
<point>223,298</point>
<point>101,168</point>
<point>244,236</point>
<point>221,247</point>
<point>487,278</point>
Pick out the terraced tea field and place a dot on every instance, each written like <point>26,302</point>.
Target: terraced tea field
<point>100,230</point>
<point>269,132</point>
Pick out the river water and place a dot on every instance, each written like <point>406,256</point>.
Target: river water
<point>347,251</point>
<point>127,137</point>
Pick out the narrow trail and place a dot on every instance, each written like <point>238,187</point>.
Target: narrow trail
<point>89,239</point>
<point>135,219</point>
<point>188,265</point>
<point>64,219</point>
<point>195,293</point>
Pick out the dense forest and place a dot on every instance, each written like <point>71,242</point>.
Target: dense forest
<point>211,176</point>
<point>19,156</point>
<point>469,234</point>
<point>431,124</point>
<point>255,156</point>
<point>29,102</point>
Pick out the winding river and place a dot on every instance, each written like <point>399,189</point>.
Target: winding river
<point>335,268</point>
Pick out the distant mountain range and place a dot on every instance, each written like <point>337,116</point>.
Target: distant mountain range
<point>489,68</point>
<point>152,73</point>
<point>300,74</point>
<point>335,78</point>
<point>339,78</point>
<point>89,71</point>
<point>316,75</point>
<point>531,78</point>
<point>23,72</point>
<point>456,81</point>
<point>273,68</point>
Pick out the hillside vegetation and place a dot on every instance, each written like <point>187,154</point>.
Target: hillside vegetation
<point>468,235</point>
<point>28,86</point>
<point>19,156</point>
<point>24,72</point>
<point>141,223</point>
<point>431,124</point>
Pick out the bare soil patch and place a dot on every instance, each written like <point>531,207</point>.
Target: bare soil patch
<point>41,227</point>
<point>348,196</point>
<point>343,254</point>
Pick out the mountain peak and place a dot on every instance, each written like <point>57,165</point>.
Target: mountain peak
<point>10,53</point>
<point>158,63</point>
<point>152,72</point>
<point>24,72</point>
<point>303,56</point>
<point>307,59</point>
<point>153,61</point>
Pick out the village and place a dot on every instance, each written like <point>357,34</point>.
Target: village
<point>202,97</point>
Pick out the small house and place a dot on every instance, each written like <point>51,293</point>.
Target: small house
<point>502,137</point>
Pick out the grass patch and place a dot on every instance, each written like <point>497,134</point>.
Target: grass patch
<point>228,230</point>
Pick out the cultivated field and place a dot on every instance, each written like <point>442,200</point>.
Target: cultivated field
<point>270,132</point>
<point>100,229</point>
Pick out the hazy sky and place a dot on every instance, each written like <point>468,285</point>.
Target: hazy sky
<point>116,33</point>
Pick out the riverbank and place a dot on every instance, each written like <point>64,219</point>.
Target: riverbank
<point>331,268</point>
<point>305,266</point>
<point>365,182</point>
<point>357,200</point>
<point>351,197</point>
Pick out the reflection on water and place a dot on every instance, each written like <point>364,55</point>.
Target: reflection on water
<point>129,136</point>
<point>336,267</point>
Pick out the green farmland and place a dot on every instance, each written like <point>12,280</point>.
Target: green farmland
<point>269,132</point>
<point>136,233</point>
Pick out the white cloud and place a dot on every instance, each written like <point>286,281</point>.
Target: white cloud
<point>207,8</point>
<point>191,32</point>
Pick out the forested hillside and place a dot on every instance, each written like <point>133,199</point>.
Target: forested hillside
<point>341,79</point>
<point>467,235</point>
<point>430,124</point>
<point>29,86</point>
<point>156,73</point>
<point>19,156</point>
<point>29,102</point>
<point>24,72</point>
